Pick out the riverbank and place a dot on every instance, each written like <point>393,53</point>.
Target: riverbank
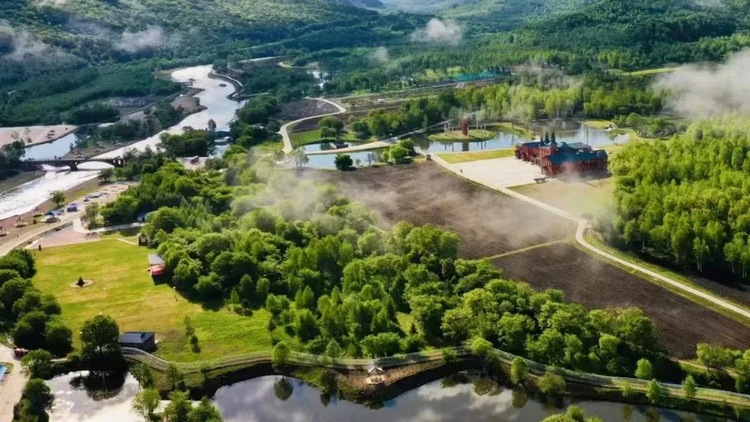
<point>15,233</point>
<point>34,135</point>
<point>19,179</point>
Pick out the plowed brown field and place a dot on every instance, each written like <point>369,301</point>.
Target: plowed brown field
<point>487,223</point>
<point>681,323</point>
<point>490,224</point>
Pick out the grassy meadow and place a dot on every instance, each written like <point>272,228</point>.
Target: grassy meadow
<point>124,290</point>
<point>465,157</point>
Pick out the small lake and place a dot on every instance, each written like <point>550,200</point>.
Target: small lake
<point>326,161</point>
<point>566,131</point>
<point>275,398</point>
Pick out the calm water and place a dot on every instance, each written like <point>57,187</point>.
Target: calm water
<point>288,400</point>
<point>26,197</point>
<point>366,158</point>
<point>565,132</point>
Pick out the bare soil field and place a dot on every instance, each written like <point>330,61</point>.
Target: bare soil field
<point>487,223</point>
<point>681,323</point>
<point>305,108</point>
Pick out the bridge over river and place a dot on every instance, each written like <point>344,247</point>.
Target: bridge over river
<point>73,163</point>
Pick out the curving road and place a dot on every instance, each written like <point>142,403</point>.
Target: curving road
<point>583,225</point>
<point>284,131</point>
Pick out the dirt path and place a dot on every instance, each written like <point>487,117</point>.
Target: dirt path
<point>284,131</point>
<point>583,225</point>
<point>11,386</point>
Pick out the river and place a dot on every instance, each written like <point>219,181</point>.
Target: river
<point>456,398</point>
<point>26,197</point>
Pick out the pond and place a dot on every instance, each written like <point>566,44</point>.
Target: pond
<point>565,131</point>
<point>326,161</point>
<point>274,398</point>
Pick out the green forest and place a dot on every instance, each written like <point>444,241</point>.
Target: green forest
<point>56,58</point>
<point>686,201</point>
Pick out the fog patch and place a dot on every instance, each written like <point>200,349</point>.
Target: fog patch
<point>22,45</point>
<point>150,39</point>
<point>380,56</point>
<point>707,90</point>
<point>52,3</point>
<point>440,32</point>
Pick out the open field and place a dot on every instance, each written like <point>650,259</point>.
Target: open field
<point>464,157</point>
<point>305,108</point>
<point>487,223</point>
<point>681,323</point>
<point>579,196</point>
<point>457,135</point>
<point>737,293</point>
<point>123,289</point>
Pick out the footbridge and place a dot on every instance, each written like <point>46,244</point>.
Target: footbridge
<point>73,163</point>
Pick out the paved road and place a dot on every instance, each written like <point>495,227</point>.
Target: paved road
<point>12,385</point>
<point>284,131</point>
<point>583,225</point>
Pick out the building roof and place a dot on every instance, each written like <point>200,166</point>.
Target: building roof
<point>581,156</point>
<point>136,337</point>
<point>155,259</point>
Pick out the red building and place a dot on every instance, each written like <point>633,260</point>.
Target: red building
<point>581,162</point>
<point>535,151</point>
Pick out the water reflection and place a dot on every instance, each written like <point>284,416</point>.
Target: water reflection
<point>274,398</point>
<point>565,131</point>
<point>327,161</point>
<point>81,396</point>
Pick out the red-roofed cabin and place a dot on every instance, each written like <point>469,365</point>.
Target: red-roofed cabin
<point>525,151</point>
<point>582,162</point>
<point>156,265</point>
<point>564,148</point>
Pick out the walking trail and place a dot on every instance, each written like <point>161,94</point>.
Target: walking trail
<point>11,386</point>
<point>583,225</point>
<point>284,131</point>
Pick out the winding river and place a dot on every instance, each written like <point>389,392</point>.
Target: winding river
<point>456,398</point>
<point>26,197</point>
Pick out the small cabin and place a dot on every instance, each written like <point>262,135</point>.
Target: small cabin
<point>142,340</point>
<point>156,265</point>
<point>583,162</point>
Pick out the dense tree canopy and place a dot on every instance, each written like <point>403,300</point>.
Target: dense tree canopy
<point>685,200</point>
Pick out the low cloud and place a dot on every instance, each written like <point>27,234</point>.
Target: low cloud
<point>380,55</point>
<point>22,45</point>
<point>53,3</point>
<point>150,39</point>
<point>440,32</point>
<point>707,90</point>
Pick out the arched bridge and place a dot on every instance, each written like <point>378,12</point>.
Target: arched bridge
<point>73,163</point>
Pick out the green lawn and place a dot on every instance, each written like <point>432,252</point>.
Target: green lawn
<point>513,129</point>
<point>463,157</point>
<point>124,290</point>
<point>456,135</point>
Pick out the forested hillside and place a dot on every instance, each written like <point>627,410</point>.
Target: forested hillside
<point>47,49</point>
<point>639,33</point>
<point>500,15</point>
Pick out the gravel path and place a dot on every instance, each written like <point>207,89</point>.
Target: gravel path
<point>284,131</point>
